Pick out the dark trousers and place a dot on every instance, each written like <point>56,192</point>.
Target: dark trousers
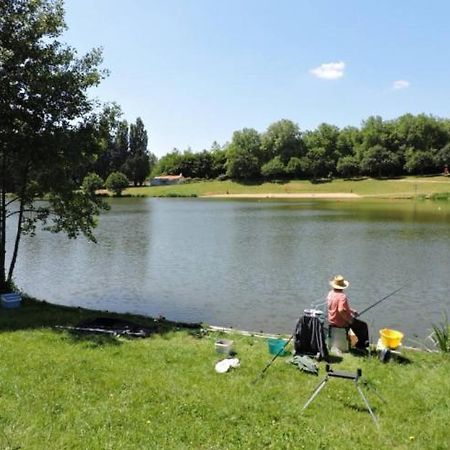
<point>362,333</point>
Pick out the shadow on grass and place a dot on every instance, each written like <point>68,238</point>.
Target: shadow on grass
<point>334,359</point>
<point>356,178</point>
<point>256,182</point>
<point>98,327</point>
<point>93,340</point>
<point>399,359</point>
<point>359,353</point>
<point>358,407</point>
<point>320,180</point>
<point>391,357</point>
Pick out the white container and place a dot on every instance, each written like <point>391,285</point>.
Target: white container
<point>338,340</point>
<point>224,346</point>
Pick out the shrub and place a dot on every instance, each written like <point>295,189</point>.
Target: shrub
<point>91,183</point>
<point>116,183</point>
<point>294,167</point>
<point>274,168</point>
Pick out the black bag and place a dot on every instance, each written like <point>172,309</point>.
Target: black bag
<point>310,337</point>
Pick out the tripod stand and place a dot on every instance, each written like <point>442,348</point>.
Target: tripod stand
<point>346,376</point>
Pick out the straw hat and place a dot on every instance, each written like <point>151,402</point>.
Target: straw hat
<point>338,282</point>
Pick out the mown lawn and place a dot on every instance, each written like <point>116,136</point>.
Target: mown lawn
<point>402,187</point>
<point>65,391</point>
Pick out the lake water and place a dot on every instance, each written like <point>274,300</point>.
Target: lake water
<point>252,265</point>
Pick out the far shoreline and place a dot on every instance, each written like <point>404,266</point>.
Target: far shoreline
<point>411,187</point>
<point>310,195</point>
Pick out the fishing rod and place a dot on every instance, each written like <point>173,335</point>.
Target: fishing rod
<point>290,339</point>
<point>281,351</point>
<point>381,300</point>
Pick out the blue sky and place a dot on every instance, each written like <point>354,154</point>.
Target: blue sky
<point>197,70</point>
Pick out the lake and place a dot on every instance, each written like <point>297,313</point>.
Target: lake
<point>253,265</point>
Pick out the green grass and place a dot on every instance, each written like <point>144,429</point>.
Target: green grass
<point>63,391</point>
<point>403,187</point>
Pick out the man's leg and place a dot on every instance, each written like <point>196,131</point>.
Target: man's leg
<point>362,333</point>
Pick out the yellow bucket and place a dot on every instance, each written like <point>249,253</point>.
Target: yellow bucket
<point>391,338</point>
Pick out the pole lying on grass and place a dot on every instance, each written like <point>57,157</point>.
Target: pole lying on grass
<point>273,359</point>
<point>381,300</point>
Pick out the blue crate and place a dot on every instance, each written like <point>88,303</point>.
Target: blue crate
<point>11,300</point>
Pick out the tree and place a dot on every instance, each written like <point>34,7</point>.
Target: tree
<point>45,126</point>
<point>348,140</point>
<point>321,156</point>
<point>169,164</point>
<point>282,139</point>
<point>418,161</point>
<point>348,166</point>
<point>244,155</point>
<point>378,161</point>
<point>203,162</point>
<point>219,160</point>
<point>120,146</point>
<point>193,165</point>
<point>442,157</point>
<point>421,132</point>
<point>325,136</point>
<point>316,163</point>
<point>242,165</point>
<point>137,164</point>
<point>107,139</point>
<point>375,131</point>
<point>116,183</point>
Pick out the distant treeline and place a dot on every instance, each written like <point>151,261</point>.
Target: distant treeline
<point>407,145</point>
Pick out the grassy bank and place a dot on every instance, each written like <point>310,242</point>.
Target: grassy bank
<point>61,390</point>
<point>406,187</point>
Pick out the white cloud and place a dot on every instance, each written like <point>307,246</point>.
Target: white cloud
<point>401,84</point>
<point>329,71</point>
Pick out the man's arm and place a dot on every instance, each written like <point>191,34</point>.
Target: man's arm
<point>346,312</point>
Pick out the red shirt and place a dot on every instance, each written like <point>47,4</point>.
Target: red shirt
<point>339,311</point>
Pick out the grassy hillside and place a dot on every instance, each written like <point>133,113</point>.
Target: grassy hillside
<point>402,187</point>
<point>61,390</point>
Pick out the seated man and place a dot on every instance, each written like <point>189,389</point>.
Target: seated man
<point>342,316</point>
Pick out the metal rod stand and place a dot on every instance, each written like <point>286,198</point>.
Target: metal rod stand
<point>346,376</point>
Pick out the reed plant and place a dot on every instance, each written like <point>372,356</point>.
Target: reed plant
<point>441,335</point>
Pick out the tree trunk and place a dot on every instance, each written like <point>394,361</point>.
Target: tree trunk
<point>16,243</point>
<point>3,286</point>
<point>19,223</point>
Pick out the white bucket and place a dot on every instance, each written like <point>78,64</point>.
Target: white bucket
<point>338,340</point>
